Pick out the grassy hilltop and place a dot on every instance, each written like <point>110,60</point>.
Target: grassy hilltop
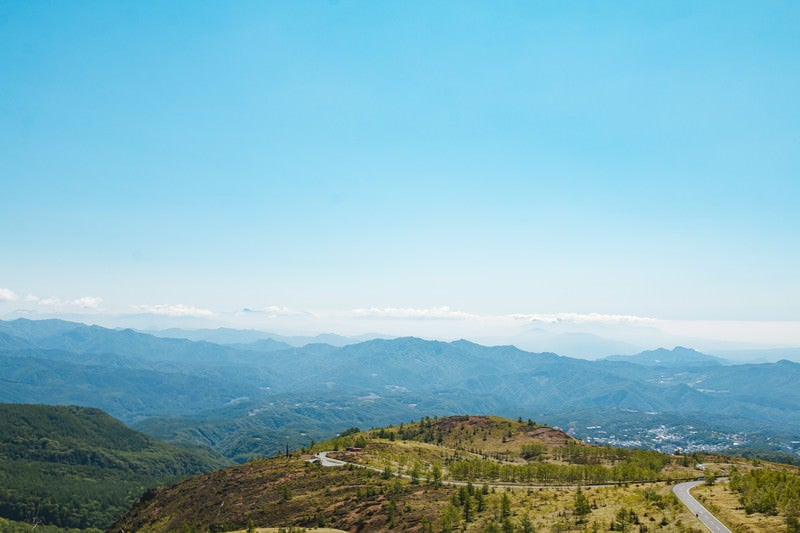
<point>465,473</point>
<point>407,478</point>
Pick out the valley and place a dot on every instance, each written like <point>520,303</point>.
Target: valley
<point>251,402</point>
<point>344,266</point>
<point>623,430</point>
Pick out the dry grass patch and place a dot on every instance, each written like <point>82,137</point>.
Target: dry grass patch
<point>551,509</point>
<point>725,505</point>
<point>277,530</point>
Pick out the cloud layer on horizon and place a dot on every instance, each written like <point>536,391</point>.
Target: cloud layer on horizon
<point>174,310</point>
<point>441,322</point>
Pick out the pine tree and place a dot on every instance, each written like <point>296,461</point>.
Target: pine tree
<point>480,502</point>
<point>468,509</point>
<point>582,507</point>
<point>525,525</point>
<point>505,505</point>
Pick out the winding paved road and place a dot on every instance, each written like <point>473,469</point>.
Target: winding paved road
<point>324,460</point>
<point>681,490</point>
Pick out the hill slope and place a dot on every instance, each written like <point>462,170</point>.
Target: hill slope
<point>432,455</point>
<point>78,467</point>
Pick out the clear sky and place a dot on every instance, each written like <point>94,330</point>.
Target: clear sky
<point>491,158</point>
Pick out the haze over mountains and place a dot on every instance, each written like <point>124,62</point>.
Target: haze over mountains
<point>587,336</point>
<point>677,357</point>
<point>251,398</point>
<point>251,338</point>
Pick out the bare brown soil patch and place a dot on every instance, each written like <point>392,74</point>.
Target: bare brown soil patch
<point>550,436</point>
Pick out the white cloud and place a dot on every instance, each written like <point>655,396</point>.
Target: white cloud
<point>88,302</point>
<point>451,314</point>
<point>85,302</point>
<point>410,312</point>
<point>275,311</point>
<point>7,295</point>
<point>579,318</point>
<point>173,310</point>
<point>52,301</point>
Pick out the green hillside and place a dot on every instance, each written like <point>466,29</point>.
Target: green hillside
<point>78,467</point>
<point>460,473</point>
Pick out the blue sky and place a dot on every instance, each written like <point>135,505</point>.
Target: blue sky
<point>617,158</point>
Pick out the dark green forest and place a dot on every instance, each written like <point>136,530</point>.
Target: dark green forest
<point>77,467</point>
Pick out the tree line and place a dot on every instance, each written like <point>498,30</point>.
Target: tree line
<point>769,492</point>
<point>552,473</point>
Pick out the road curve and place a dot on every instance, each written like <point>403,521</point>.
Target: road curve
<point>323,460</point>
<point>681,490</point>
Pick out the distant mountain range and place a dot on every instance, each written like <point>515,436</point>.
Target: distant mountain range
<point>677,357</point>
<point>252,398</point>
<point>251,338</point>
<point>761,356</point>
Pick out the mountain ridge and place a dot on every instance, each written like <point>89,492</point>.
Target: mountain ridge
<point>678,356</point>
<point>182,389</point>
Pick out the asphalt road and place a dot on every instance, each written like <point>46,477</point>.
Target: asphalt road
<point>323,459</point>
<point>681,490</point>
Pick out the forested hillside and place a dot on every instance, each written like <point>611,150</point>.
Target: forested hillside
<point>78,467</point>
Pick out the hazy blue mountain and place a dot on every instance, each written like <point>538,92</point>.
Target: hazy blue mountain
<point>129,343</point>
<point>80,338</point>
<point>513,376</point>
<point>761,355</point>
<point>766,385</point>
<point>246,338</point>
<point>100,346</point>
<point>263,428</point>
<point>574,344</point>
<point>588,345</point>
<point>263,345</point>
<point>243,402</point>
<point>34,330</point>
<point>677,357</point>
<point>323,338</point>
<point>217,336</point>
<point>127,393</point>
<point>10,342</point>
